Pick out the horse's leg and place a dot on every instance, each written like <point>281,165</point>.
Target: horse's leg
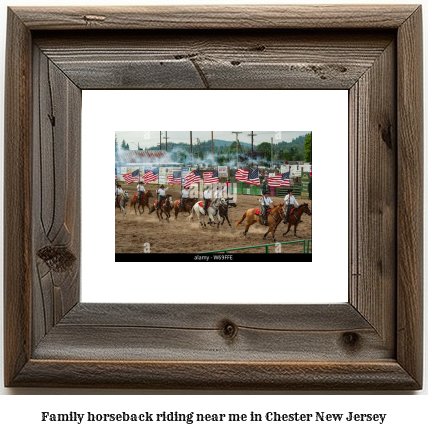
<point>199,218</point>
<point>288,230</point>
<point>247,226</point>
<point>295,229</point>
<point>272,230</point>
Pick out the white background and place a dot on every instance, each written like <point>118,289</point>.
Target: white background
<point>325,280</point>
<point>406,413</point>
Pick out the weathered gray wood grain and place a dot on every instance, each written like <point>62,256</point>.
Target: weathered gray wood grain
<point>56,197</point>
<point>216,59</point>
<point>373,180</point>
<point>217,17</point>
<point>17,199</point>
<point>386,375</point>
<point>410,198</point>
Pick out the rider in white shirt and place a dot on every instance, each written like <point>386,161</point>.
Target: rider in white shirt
<point>218,193</point>
<point>266,201</point>
<point>119,192</point>
<point>140,190</point>
<point>207,197</point>
<point>290,202</point>
<point>184,196</point>
<point>161,194</point>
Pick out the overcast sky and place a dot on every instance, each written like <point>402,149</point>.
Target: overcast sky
<point>146,139</point>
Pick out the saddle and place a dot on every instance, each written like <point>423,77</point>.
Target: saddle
<point>259,210</point>
<point>201,204</point>
<point>156,202</point>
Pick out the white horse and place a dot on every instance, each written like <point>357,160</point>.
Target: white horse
<point>213,211</point>
<point>123,201</point>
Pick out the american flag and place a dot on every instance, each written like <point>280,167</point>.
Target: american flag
<point>248,176</point>
<point>175,178</point>
<point>151,176</point>
<point>211,177</point>
<point>242,175</point>
<point>280,180</point>
<point>193,177</point>
<point>253,177</point>
<point>132,177</point>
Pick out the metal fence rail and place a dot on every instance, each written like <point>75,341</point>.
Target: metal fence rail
<point>225,251</point>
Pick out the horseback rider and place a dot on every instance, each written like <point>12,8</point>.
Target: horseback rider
<point>265,187</point>
<point>119,192</point>
<point>218,192</point>
<point>207,197</point>
<point>290,202</point>
<point>184,197</point>
<point>161,195</point>
<point>266,201</point>
<point>140,190</point>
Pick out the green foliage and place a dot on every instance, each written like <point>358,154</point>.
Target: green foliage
<point>232,147</point>
<point>308,148</point>
<point>124,145</point>
<point>265,146</point>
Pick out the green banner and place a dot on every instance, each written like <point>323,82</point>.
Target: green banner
<point>306,190</point>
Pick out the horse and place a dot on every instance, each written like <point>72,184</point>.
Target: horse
<point>294,218</point>
<point>224,210</point>
<point>144,201</point>
<point>121,202</point>
<point>187,207</point>
<point>273,220</point>
<point>213,211</point>
<point>166,208</point>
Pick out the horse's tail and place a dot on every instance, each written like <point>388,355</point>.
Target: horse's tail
<point>190,217</point>
<point>242,219</point>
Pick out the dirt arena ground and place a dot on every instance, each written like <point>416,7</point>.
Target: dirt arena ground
<point>184,236</point>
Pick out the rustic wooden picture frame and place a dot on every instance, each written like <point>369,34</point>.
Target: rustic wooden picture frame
<point>372,342</point>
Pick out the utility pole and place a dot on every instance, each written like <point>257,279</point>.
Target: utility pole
<point>199,155</point>
<point>166,140</point>
<point>160,141</point>
<point>191,148</point>
<point>252,142</point>
<point>237,145</point>
<point>212,146</point>
<point>271,151</point>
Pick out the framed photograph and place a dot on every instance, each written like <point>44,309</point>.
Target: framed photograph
<point>228,187</point>
<point>371,341</point>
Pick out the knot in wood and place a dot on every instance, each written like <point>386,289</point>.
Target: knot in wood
<point>228,330</point>
<point>58,259</point>
<point>351,340</point>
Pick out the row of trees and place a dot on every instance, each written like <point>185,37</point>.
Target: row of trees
<point>299,149</point>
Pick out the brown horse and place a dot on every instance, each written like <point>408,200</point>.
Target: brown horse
<point>166,208</point>
<point>294,218</point>
<point>144,201</point>
<point>187,207</point>
<point>274,218</point>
